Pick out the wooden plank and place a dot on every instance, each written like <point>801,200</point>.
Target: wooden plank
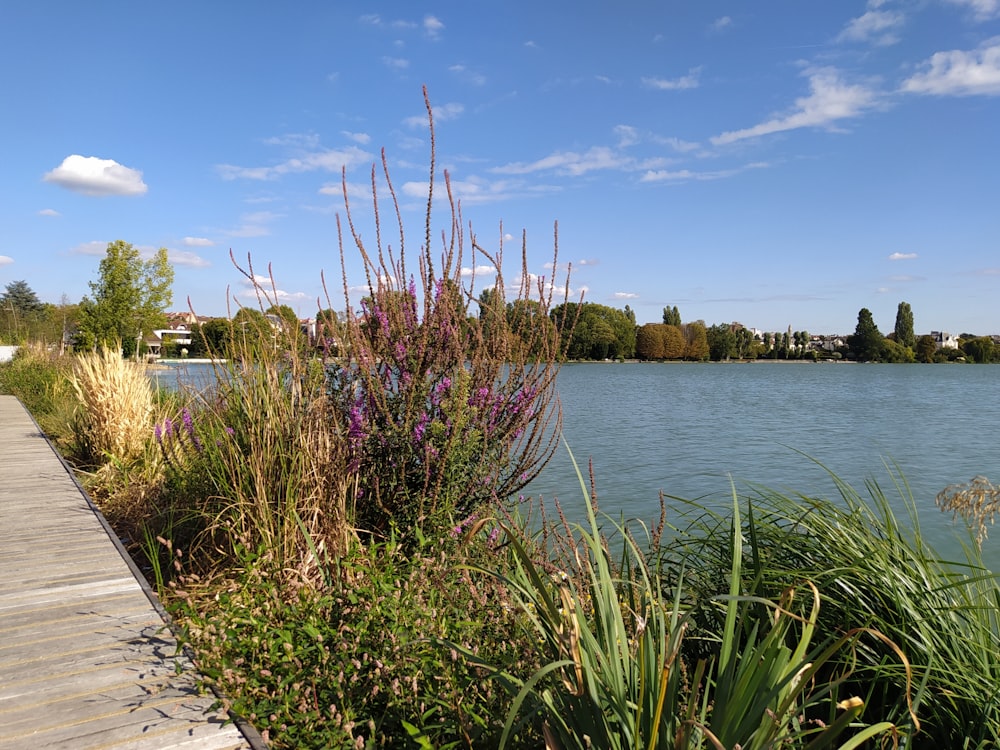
<point>86,659</point>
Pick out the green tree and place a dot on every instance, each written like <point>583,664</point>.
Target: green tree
<point>980,349</point>
<point>744,342</point>
<point>672,316</point>
<point>21,312</point>
<point>129,298</point>
<point>904,325</point>
<point>721,341</point>
<point>867,343</point>
<point>926,348</point>
<point>209,339</point>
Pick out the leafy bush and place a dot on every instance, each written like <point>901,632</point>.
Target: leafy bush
<point>357,662</point>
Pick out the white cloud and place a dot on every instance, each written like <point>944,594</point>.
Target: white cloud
<point>5,260</point>
<point>721,23</point>
<point>982,10</point>
<point>570,162</point>
<point>198,242</point>
<point>902,256</point>
<point>90,175</point>
<point>625,295</point>
<point>959,73</point>
<point>396,63</point>
<point>90,248</point>
<point>627,135</point>
<point>48,212</point>
<point>476,79</point>
<point>588,262</point>
<point>330,160</point>
<point>254,224</point>
<point>362,138</point>
<point>442,113</point>
<point>480,270</point>
<point>682,175</point>
<point>186,258</point>
<point>690,81</point>
<point>830,100</point>
<point>877,26</point>
<point>433,27</point>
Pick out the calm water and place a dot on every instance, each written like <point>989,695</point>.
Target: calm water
<point>686,429</point>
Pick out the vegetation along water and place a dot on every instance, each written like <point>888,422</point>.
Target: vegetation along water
<point>343,542</point>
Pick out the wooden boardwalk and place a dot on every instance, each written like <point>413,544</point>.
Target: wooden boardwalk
<point>85,658</point>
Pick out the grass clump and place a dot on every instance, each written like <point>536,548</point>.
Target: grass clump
<point>115,399</point>
<point>40,380</point>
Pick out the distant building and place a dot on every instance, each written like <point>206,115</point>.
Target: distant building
<point>944,340</point>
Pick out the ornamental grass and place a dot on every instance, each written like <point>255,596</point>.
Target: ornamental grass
<point>115,401</point>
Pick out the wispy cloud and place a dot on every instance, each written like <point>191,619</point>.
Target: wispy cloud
<point>982,10</point>
<point>463,72</point>
<point>690,81</point>
<point>625,295</point>
<point>48,212</point>
<point>902,256</point>
<point>876,26</point>
<point>959,73</point>
<point>569,162</point>
<point>442,113</point>
<point>433,27</point>
<point>91,175</point>
<point>830,100</point>
<point>94,247</point>
<point>685,175</point>
<point>187,258</point>
<point>5,260</point>
<point>720,24</point>
<point>197,242</point>
<point>395,63</point>
<point>330,160</point>
<point>255,224</point>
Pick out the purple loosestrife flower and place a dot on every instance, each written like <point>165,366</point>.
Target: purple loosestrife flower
<point>189,427</point>
<point>421,428</point>
<point>158,434</point>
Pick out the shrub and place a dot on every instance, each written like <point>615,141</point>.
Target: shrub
<point>442,409</point>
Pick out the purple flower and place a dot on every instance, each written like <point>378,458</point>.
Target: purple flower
<point>158,433</point>
<point>230,431</point>
<point>421,428</point>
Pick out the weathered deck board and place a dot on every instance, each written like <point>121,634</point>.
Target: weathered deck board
<point>86,661</point>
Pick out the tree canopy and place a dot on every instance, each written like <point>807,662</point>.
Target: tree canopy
<point>867,343</point>
<point>904,326</point>
<point>129,298</point>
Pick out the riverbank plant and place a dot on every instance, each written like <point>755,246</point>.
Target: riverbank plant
<point>446,400</point>
<point>619,675</point>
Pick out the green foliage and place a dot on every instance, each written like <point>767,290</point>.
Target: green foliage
<point>904,326</point>
<point>618,674</point>
<point>981,349</point>
<point>672,316</point>
<point>893,351</point>
<point>925,349</point>
<point>129,298</point>
<point>600,332</point>
<point>359,660</point>
<point>867,343</point>
<point>40,380</point>
<point>209,339</point>
<point>721,341</point>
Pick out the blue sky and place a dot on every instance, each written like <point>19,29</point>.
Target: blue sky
<point>773,163</point>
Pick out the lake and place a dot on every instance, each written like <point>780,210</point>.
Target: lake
<point>687,428</point>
